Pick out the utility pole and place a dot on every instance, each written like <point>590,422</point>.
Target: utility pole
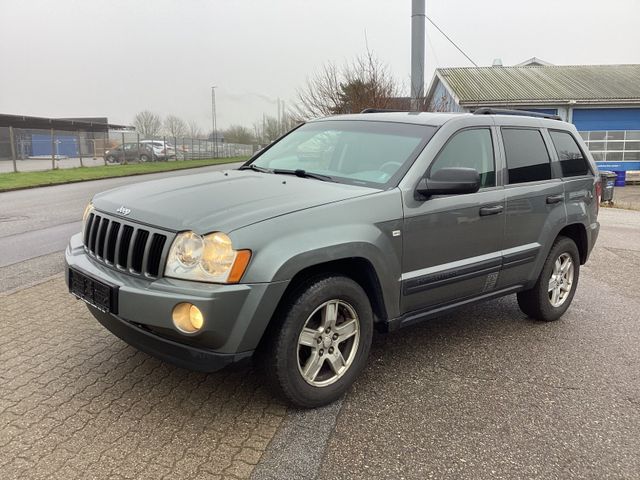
<point>284,119</point>
<point>213,118</point>
<point>418,17</point>
<point>279,124</point>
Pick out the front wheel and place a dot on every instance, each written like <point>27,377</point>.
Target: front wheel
<point>321,342</point>
<point>144,158</point>
<point>552,294</point>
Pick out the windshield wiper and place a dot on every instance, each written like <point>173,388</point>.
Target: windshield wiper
<point>303,174</point>
<point>251,166</point>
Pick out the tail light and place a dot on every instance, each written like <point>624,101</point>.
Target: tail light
<point>598,193</point>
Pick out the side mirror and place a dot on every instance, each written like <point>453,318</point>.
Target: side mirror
<point>450,181</point>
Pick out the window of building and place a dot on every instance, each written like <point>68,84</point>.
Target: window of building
<point>527,156</point>
<point>471,149</point>
<point>618,141</point>
<point>572,162</point>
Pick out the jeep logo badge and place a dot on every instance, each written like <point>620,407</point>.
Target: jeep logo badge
<point>123,210</point>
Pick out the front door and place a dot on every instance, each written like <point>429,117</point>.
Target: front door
<point>451,244</point>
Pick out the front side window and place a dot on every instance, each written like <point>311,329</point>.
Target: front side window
<point>471,149</point>
<point>527,156</point>
<point>348,151</point>
<point>572,161</point>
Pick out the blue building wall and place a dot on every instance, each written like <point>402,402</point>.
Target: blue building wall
<point>443,101</point>
<point>606,118</point>
<point>67,145</point>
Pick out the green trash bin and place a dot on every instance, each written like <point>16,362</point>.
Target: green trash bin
<point>608,180</point>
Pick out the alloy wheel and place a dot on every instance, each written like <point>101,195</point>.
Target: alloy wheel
<point>328,343</point>
<point>561,280</point>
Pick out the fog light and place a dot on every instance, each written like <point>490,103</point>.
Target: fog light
<point>187,318</point>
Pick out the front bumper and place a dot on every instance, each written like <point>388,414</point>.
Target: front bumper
<point>235,316</point>
<point>179,354</point>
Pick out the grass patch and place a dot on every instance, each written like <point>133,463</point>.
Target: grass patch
<point>15,181</point>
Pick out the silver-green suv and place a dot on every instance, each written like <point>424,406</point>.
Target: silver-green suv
<point>346,224</point>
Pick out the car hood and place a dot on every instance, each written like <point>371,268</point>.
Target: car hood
<point>221,201</point>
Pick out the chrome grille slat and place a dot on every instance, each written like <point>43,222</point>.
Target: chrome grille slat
<point>137,250</point>
<point>87,229</point>
<point>155,254</point>
<point>95,225</point>
<point>126,246</point>
<point>110,247</point>
<point>124,254</point>
<point>102,233</point>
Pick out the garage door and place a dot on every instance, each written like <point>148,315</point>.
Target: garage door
<point>591,119</point>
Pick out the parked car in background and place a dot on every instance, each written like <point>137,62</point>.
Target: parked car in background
<point>131,152</point>
<point>161,150</point>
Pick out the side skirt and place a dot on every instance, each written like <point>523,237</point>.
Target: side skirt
<point>417,316</point>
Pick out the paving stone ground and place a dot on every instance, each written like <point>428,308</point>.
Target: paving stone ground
<point>76,402</point>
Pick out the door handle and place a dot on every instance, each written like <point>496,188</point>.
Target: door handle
<point>555,198</point>
<point>494,210</point>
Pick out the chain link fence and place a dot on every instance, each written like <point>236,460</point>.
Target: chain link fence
<point>23,150</point>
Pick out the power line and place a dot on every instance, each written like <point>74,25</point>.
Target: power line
<point>451,41</point>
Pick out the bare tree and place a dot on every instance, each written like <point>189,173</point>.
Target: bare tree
<point>175,126</point>
<point>193,129</point>
<point>148,124</point>
<point>239,134</point>
<point>363,83</point>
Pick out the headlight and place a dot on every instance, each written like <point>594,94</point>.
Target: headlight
<point>87,210</point>
<point>208,258</point>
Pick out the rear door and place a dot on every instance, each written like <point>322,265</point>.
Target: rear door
<point>535,208</point>
<point>451,244</point>
<point>578,177</point>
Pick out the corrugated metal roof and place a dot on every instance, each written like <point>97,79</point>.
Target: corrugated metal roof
<point>533,85</point>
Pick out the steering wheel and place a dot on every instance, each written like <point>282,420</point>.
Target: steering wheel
<point>395,165</point>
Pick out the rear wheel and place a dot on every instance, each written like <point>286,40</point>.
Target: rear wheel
<point>321,342</point>
<point>552,294</point>
<point>144,158</point>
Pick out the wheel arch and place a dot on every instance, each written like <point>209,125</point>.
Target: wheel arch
<point>578,233</point>
<point>359,269</point>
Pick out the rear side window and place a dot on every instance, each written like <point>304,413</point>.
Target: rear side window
<point>472,149</point>
<point>527,156</point>
<point>572,160</point>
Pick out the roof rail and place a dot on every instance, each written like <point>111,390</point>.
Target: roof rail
<point>382,110</point>
<point>521,113</point>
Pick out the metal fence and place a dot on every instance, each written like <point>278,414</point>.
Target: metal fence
<point>24,150</point>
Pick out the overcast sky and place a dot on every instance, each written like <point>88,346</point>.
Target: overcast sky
<point>114,58</point>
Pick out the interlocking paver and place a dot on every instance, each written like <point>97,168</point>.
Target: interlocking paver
<point>76,402</point>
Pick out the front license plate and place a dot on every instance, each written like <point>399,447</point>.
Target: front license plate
<point>94,292</point>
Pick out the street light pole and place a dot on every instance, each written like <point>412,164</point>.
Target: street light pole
<point>213,116</point>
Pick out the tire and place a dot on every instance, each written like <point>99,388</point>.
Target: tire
<point>110,159</point>
<point>539,302</point>
<point>283,360</point>
<point>144,158</point>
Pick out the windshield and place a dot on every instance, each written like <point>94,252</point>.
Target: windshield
<point>349,151</point>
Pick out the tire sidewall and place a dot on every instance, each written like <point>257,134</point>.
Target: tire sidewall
<point>563,245</point>
<point>341,288</point>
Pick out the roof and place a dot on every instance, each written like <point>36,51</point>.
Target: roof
<point>419,118</point>
<point>533,61</point>
<point>542,85</point>
<point>65,124</point>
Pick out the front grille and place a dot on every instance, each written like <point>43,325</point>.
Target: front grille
<point>125,246</point>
